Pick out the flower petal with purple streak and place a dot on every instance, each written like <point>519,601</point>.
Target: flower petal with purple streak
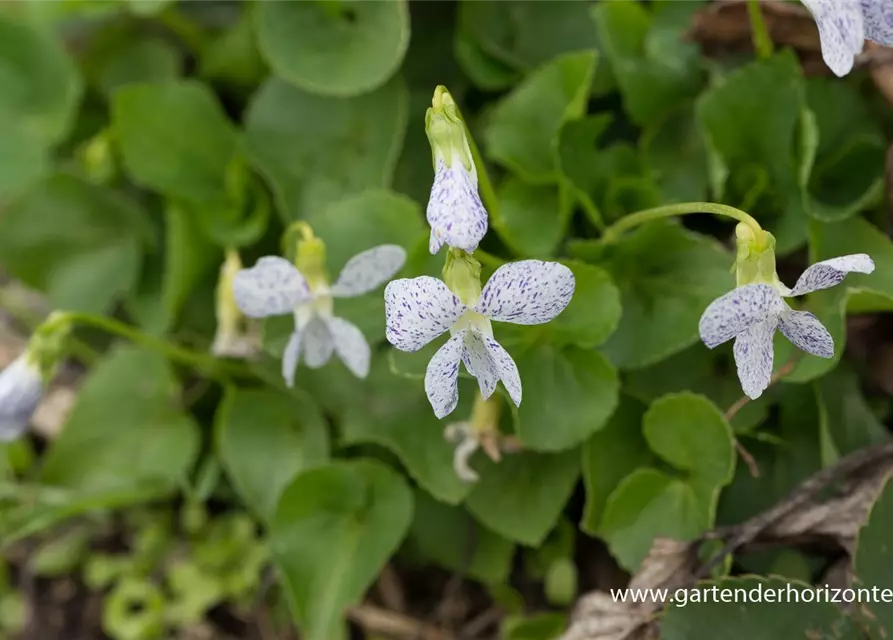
<point>527,292</point>
<point>442,376</point>
<point>807,332</point>
<point>477,361</point>
<point>737,311</point>
<point>417,310</point>
<point>506,369</point>
<point>273,286</point>
<point>841,31</point>
<point>878,18</point>
<point>753,356</point>
<point>369,270</point>
<point>455,211</point>
<point>828,273</point>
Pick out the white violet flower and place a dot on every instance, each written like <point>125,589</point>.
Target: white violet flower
<point>751,314</point>
<point>274,286</point>
<point>420,309</point>
<point>844,25</point>
<point>455,211</point>
<point>21,390</point>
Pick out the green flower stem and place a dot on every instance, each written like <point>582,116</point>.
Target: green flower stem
<point>488,259</point>
<point>613,233</point>
<point>762,43</point>
<point>206,363</point>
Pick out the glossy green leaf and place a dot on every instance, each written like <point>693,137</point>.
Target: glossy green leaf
<point>844,413</point>
<point>79,243</point>
<point>524,35</point>
<point>174,137</point>
<point>133,59</point>
<point>873,557</point>
<point>581,382</point>
<point>125,430</point>
<point>448,536</point>
<point>667,276</point>
<point>394,412</point>
<point>264,439</point>
<point>332,531</point>
<point>522,496</point>
<point>342,49</point>
<point>655,68</point>
<point>543,626</point>
<point>338,147</point>
<point>750,612</point>
<point>532,218</point>
<point>688,432</point>
<point>709,372</point>
<point>38,103</point>
<point>484,71</point>
<point>523,132</point>
<point>610,454</point>
<point>753,126</point>
<point>849,161</point>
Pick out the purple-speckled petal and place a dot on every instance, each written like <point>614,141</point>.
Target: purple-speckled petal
<point>506,369</point>
<point>455,211</point>
<point>21,390</point>
<point>272,287</point>
<point>737,311</point>
<point>368,270</point>
<point>805,331</point>
<point>527,292</point>
<point>477,361</point>
<point>753,355</point>
<point>442,376</point>
<point>351,346</point>
<point>878,18</point>
<point>317,345</point>
<point>290,358</point>
<point>417,310</point>
<point>828,273</point>
<point>841,31</point>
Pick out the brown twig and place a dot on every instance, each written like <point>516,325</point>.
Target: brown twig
<point>738,535</point>
<point>396,625</point>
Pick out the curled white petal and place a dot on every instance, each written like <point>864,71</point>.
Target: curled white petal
<point>21,389</point>
<point>828,273</point>
<point>737,311</point>
<point>807,332</point>
<point>878,19</point>
<point>317,345</point>
<point>841,30</point>
<point>351,346</point>
<point>527,292</point>
<point>442,376</point>
<point>462,435</point>
<point>753,357</point>
<point>455,211</point>
<point>273,286</point>
<point>290,358</point>
<point>369,270</point>
<point>417,310</point>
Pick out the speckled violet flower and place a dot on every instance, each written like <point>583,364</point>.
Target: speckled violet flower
<point>845,24</point>
<point>21,390</point>
<point>274,286</point>
<point>455,211</point>
<point>420,309</point>
<point>751,314</point>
